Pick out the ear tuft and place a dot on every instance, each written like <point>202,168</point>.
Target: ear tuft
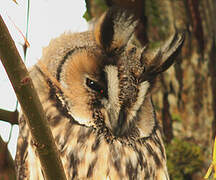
<point>158,61</point>
<point>114,28</point>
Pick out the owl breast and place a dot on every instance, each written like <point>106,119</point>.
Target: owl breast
<point>95,153</point>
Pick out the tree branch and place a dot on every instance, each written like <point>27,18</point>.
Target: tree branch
<point>9,116</point>
<point>7,167</point>
<point>31,106</point>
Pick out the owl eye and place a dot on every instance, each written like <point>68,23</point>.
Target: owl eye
<point>94,86</point>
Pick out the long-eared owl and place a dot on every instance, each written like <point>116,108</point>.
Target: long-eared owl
<point>95,88</point>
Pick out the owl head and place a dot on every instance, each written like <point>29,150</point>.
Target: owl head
<point>103,78</point>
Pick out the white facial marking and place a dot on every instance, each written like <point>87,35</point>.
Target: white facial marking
<point>113,83</point>
<point>113,92</point>
<point>140,99</point>
<point>83,121</point>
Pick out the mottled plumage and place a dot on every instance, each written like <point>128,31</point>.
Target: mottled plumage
<point>95,88</point>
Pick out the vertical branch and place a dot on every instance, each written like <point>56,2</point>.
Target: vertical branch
<point>196,23</point>
<point>212,69</point>
<point>167,119</point>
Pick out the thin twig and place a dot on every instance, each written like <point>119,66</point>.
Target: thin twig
<point>9,116</point>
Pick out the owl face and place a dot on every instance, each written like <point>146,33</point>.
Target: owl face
<point>98,82</point>
<point>104,77</point>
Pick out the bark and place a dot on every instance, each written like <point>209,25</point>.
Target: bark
<point>31,106</point>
